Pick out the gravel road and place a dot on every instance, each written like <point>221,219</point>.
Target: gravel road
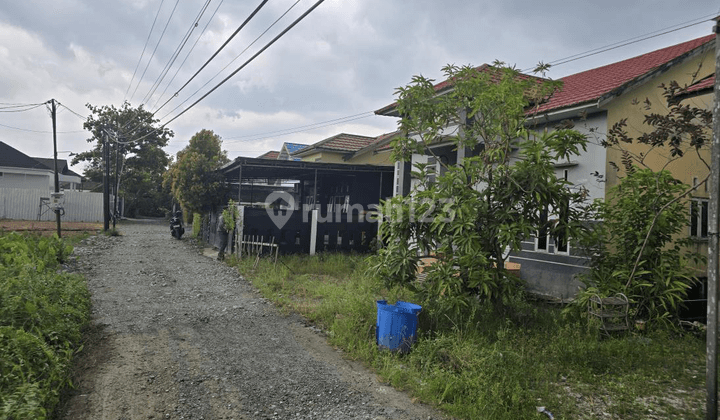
<point>179,335</point>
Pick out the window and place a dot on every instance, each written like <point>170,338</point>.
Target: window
<point>542,236</point>
<point>561,240</point>
<point>699,218</point>
<point>431,169</point>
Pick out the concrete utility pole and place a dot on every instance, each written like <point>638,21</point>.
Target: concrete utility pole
<point>116,186</point>
<point>711,365</point>
<point>106,184</point>
<point>57,177</point>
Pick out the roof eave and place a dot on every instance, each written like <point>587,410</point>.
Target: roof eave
<point>563,113</point>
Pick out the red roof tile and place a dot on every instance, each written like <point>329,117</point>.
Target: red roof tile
<point>706,83</point>
<point>273,154</point>
<point>446,84</point>
<point>593,84</point>
<point>341,142</point>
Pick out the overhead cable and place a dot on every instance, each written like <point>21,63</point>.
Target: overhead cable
<point>300,129</point>
<point>175,54</point>
<point>248,61</point>
<point>189,52</point>
<point>143,51</point>
<point>257,9</point>
<point>156,47</point>
<point>231,61</point>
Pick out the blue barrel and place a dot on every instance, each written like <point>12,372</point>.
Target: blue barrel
<point>396,325</point>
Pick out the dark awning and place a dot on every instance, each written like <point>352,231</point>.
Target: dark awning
<point>254,168</point>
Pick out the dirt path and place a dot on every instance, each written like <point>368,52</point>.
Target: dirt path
<point>177,335</point>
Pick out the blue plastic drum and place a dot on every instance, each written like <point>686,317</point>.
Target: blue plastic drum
<point>396,325</point>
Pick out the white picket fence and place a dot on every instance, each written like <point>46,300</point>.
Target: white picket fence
<point>25,204</point>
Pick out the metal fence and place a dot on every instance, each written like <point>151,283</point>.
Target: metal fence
<point>30,204</point>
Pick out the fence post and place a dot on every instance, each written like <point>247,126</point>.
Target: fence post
<point>313,231</point>
<point>239,229</point>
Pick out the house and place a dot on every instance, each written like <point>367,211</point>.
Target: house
<point>68,179</point>
<point>18,170</point>
<point>594,101</point>
<point>288,149</point>
<point>333,149</point>
<point>273,155</point>
<point>376,153</point>
<point>27,184</point>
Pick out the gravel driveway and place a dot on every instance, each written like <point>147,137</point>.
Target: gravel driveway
<point>178,335</point>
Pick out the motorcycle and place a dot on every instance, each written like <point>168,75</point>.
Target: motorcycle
<point>176,226</point>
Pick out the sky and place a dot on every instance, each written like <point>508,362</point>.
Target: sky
<point>325,76</point>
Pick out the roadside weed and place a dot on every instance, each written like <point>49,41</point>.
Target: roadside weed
<point>491,365</point>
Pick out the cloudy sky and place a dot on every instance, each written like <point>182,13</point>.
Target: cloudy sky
<point>323,77</point>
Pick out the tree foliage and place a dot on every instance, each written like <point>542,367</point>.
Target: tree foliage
<point>470,215</point>
<point>193,178</point>
<point>141,161</point>
<point>641,248</point>
<point>638,249</point>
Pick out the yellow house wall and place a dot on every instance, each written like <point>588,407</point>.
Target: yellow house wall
<point>631,105</point>
<point>370,158</point>
<point>325,157</point>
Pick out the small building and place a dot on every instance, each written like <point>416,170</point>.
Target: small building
<point>18,170</point>
<point>307,206</point>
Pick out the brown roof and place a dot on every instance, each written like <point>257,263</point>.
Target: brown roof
<point>447,84</point>
<point>594,84</point>
<point>342,142</point>
<point>273,154</point>
<point>381,143</point>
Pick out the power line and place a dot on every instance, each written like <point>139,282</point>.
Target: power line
<point>310,127</point>
<point>626,42</point>
<point>189,52</point>
<point>249,60</point>
<point>257,9</point>
<point>231,61</point>
<point>300,129</point>
<point>175,54</point>
<point>143,51</point>
<point>31,107</point>
<point>156,47</point>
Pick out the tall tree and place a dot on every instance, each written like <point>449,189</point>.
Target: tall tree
<point>137,157</point>
<point>193,178</point>
<point>475,210</point>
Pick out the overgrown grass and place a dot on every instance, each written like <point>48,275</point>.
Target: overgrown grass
<point>42,311</point>
<point>488,366</point>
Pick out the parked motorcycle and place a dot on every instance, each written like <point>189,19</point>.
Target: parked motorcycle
<point>176,226</point>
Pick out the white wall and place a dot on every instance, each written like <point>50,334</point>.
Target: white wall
<point>25,178</point>
<point>23,204</point>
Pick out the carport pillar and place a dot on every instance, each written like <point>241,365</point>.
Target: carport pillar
<point>239,185</point>
<point>313,231</point>
<point>315,200</point>
<point>239,223</point>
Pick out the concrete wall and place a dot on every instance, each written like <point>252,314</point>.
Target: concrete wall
<point>24,204</point>
<point>26,178</point>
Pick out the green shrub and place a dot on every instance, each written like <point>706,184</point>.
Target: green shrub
<point>42,311</point>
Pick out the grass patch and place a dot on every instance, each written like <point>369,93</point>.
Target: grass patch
<point>42,311</point>
<point>490,366</point>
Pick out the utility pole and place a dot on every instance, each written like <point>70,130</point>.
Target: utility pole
<point>106,184</point>
<point>57,178</point>
<point>116,185</point>
<point>711,365</point>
